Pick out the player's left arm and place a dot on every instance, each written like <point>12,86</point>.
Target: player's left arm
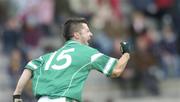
<point>123,60</point>
<point>120,66</point>
<point>109,65</point>
<point>25,77</point>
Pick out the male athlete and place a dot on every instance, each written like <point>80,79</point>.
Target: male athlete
<point>60,76</point>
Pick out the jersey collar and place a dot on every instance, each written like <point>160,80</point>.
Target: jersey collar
<point>72,41</point>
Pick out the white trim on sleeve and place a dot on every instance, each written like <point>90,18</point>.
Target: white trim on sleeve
<point>108,65</point>
<point>95,56</point>
<point>32,65</point>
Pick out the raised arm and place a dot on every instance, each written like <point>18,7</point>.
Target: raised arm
<point>120,66</point>
<point>25,77</point>
<point>123,60</point>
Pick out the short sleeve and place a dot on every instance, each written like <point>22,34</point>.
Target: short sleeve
<point>103,63</point>
<point>34,64</point>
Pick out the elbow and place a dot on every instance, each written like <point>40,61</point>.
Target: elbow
<point>116,73</point>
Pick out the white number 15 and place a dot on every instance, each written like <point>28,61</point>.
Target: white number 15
<point>63,55</point>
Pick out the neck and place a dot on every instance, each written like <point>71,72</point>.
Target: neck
<point>78,40</point>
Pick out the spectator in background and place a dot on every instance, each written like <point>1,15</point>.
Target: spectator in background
<point>176,22</point>
<point>18,59</point>
<point>11,36</point>
<point>83,8</point>
<point>31,34</point>
<point>169,52</point>
<point>98,42</point>
<point>15,65</point>
<point>143,5</point>
<point>144,63</point>
<point>137,26</point>
<point>163,7</point>
<point>31,37</point>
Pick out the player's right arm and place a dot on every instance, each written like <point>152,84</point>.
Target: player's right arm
<point>123,60</point>
<point>25,77</point>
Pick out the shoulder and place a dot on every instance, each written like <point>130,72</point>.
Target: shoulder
<point>89,49</point>
<point>45,56</point>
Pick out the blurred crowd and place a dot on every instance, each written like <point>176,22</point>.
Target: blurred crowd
<point>30,28</point>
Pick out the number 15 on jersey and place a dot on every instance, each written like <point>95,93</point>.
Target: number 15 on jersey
<point>63,55</point>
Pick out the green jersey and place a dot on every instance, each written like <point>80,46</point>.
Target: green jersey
<point>63,73</point>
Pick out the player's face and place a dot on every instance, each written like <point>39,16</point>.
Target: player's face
<point>85,34</point>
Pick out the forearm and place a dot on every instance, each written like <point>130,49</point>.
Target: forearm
<point>25,77</point>
<point>121,64</point>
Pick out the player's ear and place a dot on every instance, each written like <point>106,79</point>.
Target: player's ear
<point>76,35</point>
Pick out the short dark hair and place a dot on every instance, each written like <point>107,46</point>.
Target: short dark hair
<point>73,25</point>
